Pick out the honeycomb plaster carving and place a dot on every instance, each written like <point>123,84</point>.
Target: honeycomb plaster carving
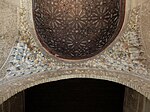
<point>123,63</point>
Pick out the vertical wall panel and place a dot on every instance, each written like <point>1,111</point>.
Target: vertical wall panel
<point>135,102</point>
<point>14,104</point>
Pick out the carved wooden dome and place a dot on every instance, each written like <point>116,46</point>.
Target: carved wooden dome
<point>77,29</point>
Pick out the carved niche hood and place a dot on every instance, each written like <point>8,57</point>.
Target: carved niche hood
<point>77,29</point>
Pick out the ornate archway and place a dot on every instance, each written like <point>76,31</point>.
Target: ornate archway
<point>27,64</point>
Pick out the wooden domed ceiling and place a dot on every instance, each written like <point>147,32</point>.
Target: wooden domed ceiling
<point>77,29</point>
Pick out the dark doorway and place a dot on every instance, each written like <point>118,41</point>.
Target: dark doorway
<point>75,95</point>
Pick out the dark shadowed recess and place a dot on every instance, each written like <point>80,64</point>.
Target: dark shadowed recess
<point>75,95</point>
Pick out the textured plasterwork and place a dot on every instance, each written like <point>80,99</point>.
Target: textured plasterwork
<point>133,101</point>
<point>126,55</point>
<point>9,88</point>
<point>124,61</point>
<point>145,27</point>
<point>8,29</point>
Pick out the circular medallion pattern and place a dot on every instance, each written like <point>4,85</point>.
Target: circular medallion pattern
<point>77,29</point>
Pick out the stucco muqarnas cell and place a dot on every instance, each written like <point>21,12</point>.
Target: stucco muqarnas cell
<point>77,29</point>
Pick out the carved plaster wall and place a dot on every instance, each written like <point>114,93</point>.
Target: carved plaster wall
<point>25,63</point>
<point>135,102</point>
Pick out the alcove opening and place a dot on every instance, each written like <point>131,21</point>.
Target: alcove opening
<point>75,95</point>
<point>77,29</point>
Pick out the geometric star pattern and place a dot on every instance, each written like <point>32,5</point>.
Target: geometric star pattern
<point>77,29</point>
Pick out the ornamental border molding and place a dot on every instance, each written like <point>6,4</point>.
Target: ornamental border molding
<point>10,88</point>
